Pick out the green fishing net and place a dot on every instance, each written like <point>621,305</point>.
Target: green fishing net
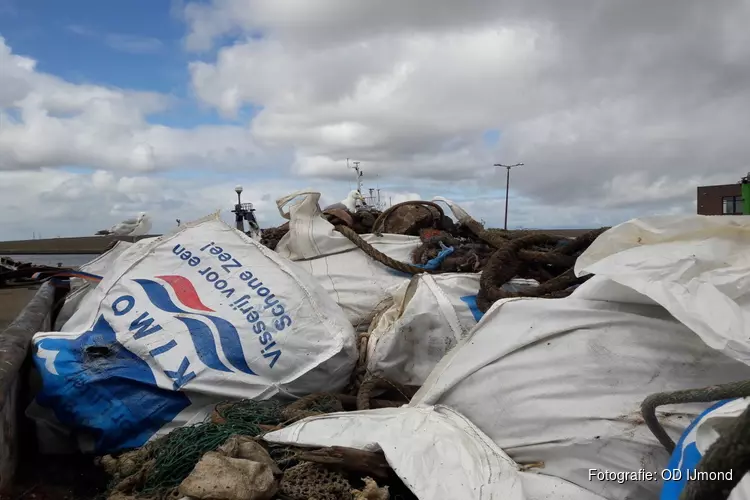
<point>176,454</point>
<point>157,469</point>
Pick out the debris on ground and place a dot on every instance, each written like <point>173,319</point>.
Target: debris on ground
<point>447,272</point>
<point>371,491</point>
<point>225,458</point>
<point>219,477</point>
<point>308,480</point>
<point>247,448</point>
<point>165,462</point>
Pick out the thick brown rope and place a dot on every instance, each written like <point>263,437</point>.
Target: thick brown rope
<point>379,225</point>
<point>731,452</point>
<point>556,288</point>
<point>378,255</point>
<point>510,256</point>
<point>555,259</point>
<point>582,242</point>
<point>513,254</point>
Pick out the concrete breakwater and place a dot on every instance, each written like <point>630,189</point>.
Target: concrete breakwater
<point>76,245</point>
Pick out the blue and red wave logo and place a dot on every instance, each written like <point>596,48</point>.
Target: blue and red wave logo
<point>193,313</point>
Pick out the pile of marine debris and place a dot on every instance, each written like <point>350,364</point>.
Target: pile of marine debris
<point>227,458</point>
<point>465,246</point>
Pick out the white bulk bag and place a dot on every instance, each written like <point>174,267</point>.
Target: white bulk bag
<point>198,316</point>
<point>101,264</point>
<point>437,453</point>
<point>357,282</point>
<point>697,267</point>
<point>561,382</point>
<point>79,288</point>
<point>89,302</point>
<point>430,315</point>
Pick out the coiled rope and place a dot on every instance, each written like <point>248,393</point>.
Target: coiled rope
<point>730,452</point>
<point>379,225</point>
<point>513,256</point>
<point>709,394</point>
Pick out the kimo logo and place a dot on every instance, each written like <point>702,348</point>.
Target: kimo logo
<point>197,318</point>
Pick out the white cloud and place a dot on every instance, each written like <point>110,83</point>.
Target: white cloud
<point>400,96</point>
<point>48,122</point>
<point>617,109</point>
<point>54,202</point>
<point>594,99</point>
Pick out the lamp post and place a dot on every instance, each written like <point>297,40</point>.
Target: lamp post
<point>244,212</point>
<point>507,188</point>
<point>239,218</point>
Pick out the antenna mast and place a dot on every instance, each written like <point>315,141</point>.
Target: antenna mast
<point>359,174</point>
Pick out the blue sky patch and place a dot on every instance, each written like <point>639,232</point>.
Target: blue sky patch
<point>491,137</point>
<point>134,44</point>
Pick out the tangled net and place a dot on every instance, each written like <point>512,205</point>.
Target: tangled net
<point>311,405</point>
<point>249,412</point>
<point>176,457</point>
<point>159,467</point>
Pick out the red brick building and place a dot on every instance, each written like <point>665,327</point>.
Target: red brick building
<point>725,199</point>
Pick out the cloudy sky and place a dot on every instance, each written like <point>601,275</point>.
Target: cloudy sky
<point>617,109</point>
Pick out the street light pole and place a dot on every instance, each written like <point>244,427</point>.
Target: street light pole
<point>245,212</point>
<point>507,188</point>
<point>239,220</point>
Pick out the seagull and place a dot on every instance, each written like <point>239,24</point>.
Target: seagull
<point>143,226</point>
<point>349,203</point>
<point>136,226</point>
